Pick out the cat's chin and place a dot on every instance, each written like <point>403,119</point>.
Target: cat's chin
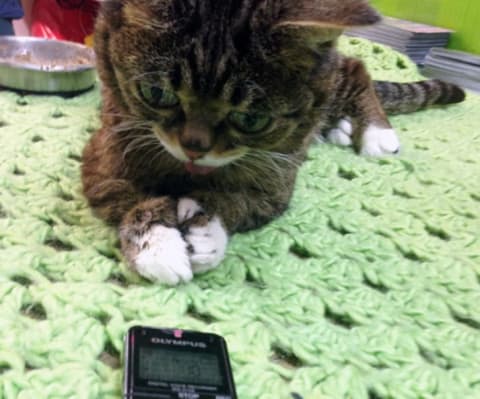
<point>198,170</point>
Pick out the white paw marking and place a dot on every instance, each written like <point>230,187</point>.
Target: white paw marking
<point>346,126</point>
<point>187,208</point>
<point>378,141</point>
<point>207,245</point>
<point>342,134</point>
<point>163,256</point>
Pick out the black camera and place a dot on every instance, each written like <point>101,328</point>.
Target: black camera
<point>176,364</point>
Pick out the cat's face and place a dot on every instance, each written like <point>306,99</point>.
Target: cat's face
<point>214,79</point>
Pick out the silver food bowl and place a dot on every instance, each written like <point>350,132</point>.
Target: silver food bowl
<point>46,66</point>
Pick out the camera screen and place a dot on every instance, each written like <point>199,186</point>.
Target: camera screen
<point>182,367</point>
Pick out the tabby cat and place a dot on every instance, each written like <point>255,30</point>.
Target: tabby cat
<point>208,109</point>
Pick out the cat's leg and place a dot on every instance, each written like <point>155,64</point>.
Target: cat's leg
<point>150,239</point>
<point>365,125</point>
<point>151,242</point>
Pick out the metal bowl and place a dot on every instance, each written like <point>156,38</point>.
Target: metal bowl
<point>46,66</point>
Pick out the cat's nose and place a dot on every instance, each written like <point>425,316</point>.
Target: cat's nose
<point>193,155</point>
<point>196,139</point>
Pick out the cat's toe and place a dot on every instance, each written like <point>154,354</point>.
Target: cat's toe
<point>187,208</point>
<point>207,245</point>
<point>378,141</point>
<point>342,134</point>
<point>160,254</point>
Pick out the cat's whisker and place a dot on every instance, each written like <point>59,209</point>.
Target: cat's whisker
<point>264,161</point>
<point>258,165</point>
<point>149,157</point>
<point>248,172</point>
<point>149,24</point>
<point>129,122</point>
<point>276,157</point>
<point>127,135</point>
<point>158,151</point>
<point>130,138</point>
<point>133,127</point>
<point>126,117</point>
<point>138,143</point>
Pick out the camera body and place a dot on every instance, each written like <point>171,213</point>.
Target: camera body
<point>176,364</point>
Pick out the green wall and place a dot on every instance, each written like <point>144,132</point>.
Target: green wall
<point>463,16</point>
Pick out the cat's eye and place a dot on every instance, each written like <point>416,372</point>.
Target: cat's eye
<point>157,97</point>
<point>249,123</point>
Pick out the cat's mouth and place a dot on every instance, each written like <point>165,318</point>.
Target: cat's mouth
<point>198,170</point>
<point>203,166</point>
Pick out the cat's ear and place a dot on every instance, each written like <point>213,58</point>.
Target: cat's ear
<point>328,14</point>
<point>316,21</point>
<point>111,7</point>
<point>111,11</point>
<point>119,13</point>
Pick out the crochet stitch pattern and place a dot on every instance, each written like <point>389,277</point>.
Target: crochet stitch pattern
<point>368,287</point>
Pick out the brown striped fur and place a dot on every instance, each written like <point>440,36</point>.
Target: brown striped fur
<point>398,98</point>
<point>271,57</point>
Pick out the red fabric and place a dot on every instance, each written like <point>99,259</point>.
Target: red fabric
<point>71,20</point>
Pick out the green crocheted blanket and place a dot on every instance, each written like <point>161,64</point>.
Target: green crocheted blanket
<point>367,288</point>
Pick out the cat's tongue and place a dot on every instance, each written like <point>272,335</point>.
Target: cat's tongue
<point>197,169</point>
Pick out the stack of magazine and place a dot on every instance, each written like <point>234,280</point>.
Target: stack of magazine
<point>410,38</point>
<point>453,66</point>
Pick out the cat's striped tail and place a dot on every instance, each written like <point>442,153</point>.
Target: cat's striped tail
<point>399,98</point>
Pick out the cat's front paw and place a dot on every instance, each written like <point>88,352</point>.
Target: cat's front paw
<point>207,245</point>
<point>152,243</point>
<point>375,141</point>
<point>207,238</point>
<point>159,254</point>
<point>378,141</point>
<point>341,134</point>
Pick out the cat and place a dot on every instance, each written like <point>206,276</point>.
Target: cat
<point>209,107</point>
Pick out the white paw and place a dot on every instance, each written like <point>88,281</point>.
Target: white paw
<point>162,256</point>
<point>187,208</point>
<point>342,134</point>
<point>207,245</point>
<point>377,141</point>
